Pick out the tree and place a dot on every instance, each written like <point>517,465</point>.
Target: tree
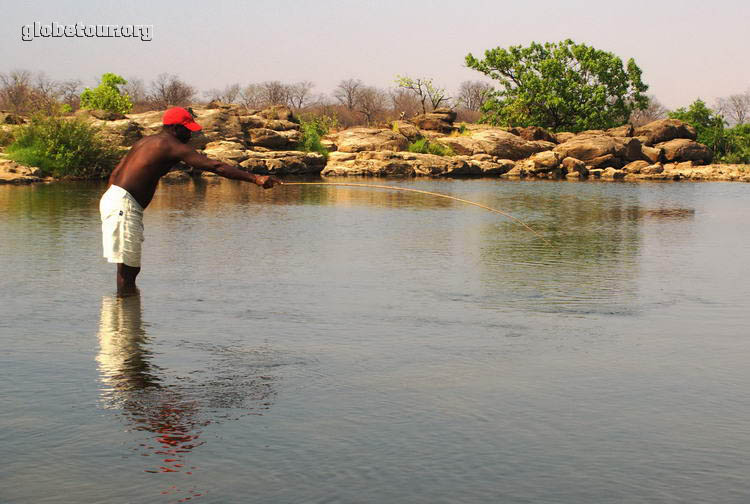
<point>168,90</point>
<point>371,103</point>
<point>404,102</point>
<point>274,93</point>
<point>736,107</point>
<point>229,94</point>
<point>654,110</point>
<point>424,90</point>
<point>473,94</point>
<point>70,91</point>
<point>251,97</point>
<point>299,93</point>
<point>16,91</point>
<point>708,125</point>
<point>107,95</point>
<point>347,91</point>
<point>561,86</point>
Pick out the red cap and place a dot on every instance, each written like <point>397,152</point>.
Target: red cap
<point>178,115</point>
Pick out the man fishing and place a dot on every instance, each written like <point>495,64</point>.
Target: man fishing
<point>134,180</point>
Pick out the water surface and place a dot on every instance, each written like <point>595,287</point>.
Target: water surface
<point>319,344</point>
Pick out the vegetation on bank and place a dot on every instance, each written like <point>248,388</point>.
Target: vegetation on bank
<point>107,96</point>
<point>313,129</point>
<point>424,146</point>
<point>63,148</point>
<point>729,145</point>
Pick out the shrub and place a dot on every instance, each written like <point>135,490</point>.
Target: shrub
<point>6,137</point>
<point>107,96</point>
<point>423,146</point>
<point>313,129</point>
<point>63,147</point>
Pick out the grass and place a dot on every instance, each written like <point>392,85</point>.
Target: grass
<point>423,146</point>
<point>63,148</point>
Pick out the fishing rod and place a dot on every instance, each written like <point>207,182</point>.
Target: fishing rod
<point>440,195</point>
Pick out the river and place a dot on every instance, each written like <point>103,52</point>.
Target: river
<point>325,344</point>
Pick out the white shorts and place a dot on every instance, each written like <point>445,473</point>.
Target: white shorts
<point>122,227</point>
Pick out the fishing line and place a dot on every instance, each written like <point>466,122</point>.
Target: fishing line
<point>440,195</point>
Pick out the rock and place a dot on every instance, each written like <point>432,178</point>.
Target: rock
<point>626,130</point>
<point>231,153</point>
<point>564,137</point>
<point>635,166</point>
<point>682,149</point>
<point>663,130</point>
<point>407,129</point>
<point>534,133</point>
<point>612,174</point>
<point>328,144</point>
<point>652,169</point>
<point>264,137</point>
<point>123,132</point>
<point>591,133</point>
<point>496,142</point>
<point>573,165</point>
<point>574,175</point>
<point>106,115</point>
<point>14,173</point>
<point>11,118</point>
<point>652,154</point>
<point>489,166</point>
<point>595,172</point>
<point>370,139</point>
<point>398,164</point>
<point>281,112</point>
<point>601,150</point>
<point>214,104</point>
<point>434,121</point>
<point>542,162</point>
<point>282,163</point>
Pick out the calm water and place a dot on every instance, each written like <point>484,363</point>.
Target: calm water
<point>313,344</point>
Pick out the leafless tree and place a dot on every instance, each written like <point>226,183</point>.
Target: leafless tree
<point>404,102</point>
<point>168,90</point>
<point>735,108</point>
<point>45,94</point>
<point>473,94</point>
<point>425,90</point>
<point>251,96</point>
<point>347,91</point>
<point>655,110</point>
<point>371,102</point>
<point>70,92</point>
<point>16,91</point>
<point>274,93</point>
<point>300,93</point>
<point>229,94</point>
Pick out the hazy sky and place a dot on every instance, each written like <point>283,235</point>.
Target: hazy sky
<point>686,49</point>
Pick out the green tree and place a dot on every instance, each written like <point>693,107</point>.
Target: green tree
<point>424,90</point>
<point>560,86</point>
<point>107,95</point>
<point>708,125</point>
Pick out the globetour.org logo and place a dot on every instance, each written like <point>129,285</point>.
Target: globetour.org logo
<point>79,30</point>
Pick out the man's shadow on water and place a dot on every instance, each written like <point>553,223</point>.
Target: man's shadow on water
<point>173,412</point>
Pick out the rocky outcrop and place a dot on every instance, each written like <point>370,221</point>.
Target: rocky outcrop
<point>602,151</point>
<point>664,130</point>
<point>14,173</point>
<point>682,149</point>
<point>11,118</point>
<point>370,139</point>
<point>495,142</point>
<point>440,119</point>
<point>399,164</point>
<point>407,129</point>
<point>283,163</point>
<point>534,133</point>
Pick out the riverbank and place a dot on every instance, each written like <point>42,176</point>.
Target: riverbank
<point>264,142</point>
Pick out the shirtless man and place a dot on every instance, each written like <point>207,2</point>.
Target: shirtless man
<point>134,180</point>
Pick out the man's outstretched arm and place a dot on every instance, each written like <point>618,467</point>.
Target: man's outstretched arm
<point>191,157</point>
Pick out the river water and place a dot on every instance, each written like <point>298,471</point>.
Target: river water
<point>323,344</point>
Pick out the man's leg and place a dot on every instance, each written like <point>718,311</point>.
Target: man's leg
<point>126,278</point>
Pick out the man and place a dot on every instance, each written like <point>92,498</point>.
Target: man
<point>133,182</point>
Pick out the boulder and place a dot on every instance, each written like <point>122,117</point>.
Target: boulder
<point>489,166</point>
<point>663,130</point>
<point>14,173</point>
<point>612,174</point>
<point>534,133</point>
<point>564,137</point>
<point>123,133</point>
<point>572,165</point>
<point>281,112</point>
<point>652,169</point>
<point>398,164</point>
<point>407,129</point>
<point>106,115</point>
<point>652,154</point>
<point>439,120</point>
<point>601,150</point>
<point>682,149</point>
<point>282,163</point>
<point>626,130</point>
<point>231,153</point>
<point>11,118</point>
<point>496,142</point>
<point>264,137</point>
<point>543,162</point>
<point>635,166</point>
<point>370,139</point>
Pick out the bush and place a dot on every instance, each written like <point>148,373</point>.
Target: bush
<point>107,96</point>
<point>6,137</point>
<point>313,129</point>
<point>423,146</point>
<point>63,147</point>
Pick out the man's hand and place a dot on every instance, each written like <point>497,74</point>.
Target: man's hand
<point>267,181</point>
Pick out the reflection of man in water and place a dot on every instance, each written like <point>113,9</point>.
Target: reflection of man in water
<point>133,384</point>
<point>133,182</point>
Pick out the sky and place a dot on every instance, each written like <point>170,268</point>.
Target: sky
<point>687,49</point>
